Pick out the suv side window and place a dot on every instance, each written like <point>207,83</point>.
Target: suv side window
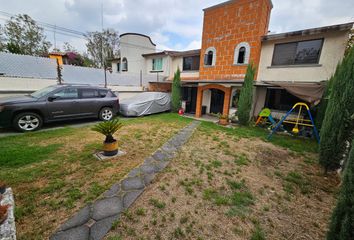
<point>89,93</point>
<point>103,93</point>
<point>67,93</point>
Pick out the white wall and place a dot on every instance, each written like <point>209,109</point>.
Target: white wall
<point>132,47</point>
<point>166,65</point>
<point>13,84</point>
<point>206,99</point>
<point>332,52</point>
<point>177,62</point>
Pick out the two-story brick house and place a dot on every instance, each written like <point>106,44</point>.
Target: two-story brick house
<point>290,66</point>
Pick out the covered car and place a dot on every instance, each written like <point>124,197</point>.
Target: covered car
<point>145,103</point>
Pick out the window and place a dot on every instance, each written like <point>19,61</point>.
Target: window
<point>242,53</point>
<point>304,52</point>
<point>191,63</point>
<point>210,57</point>
<point>89,93</point>
<point>235,98</point>
<point>67,93</point>
<point>118,66</point>
<point>124,65</point>
<point>280,99</point>
<point>157,64</point>
<point>208,60</point>
<point>103,93</point>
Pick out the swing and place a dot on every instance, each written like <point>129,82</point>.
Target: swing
<point>299,121</point>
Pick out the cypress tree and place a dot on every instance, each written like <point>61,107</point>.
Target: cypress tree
<point>342,221</point>
<point>176,91</point>
<point>246,96</point>
<point>323,104</point>
<point>336,125</point>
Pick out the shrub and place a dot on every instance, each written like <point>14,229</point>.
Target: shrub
<point>246,96</point>
<point>108,128</point>
<point>337,124</point>
<point>176,92</point>
<point>342,222</point>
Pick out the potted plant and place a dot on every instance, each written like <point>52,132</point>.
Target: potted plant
<point>2,187</point>
<point>3,213</point>
<point>223,119</point>
<point>108,128</point>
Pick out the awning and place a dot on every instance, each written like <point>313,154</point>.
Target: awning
<point>309,92</point>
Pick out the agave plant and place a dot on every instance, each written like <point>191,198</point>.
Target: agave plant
<point>108,128</point>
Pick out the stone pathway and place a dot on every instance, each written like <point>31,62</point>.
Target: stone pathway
<point>95,220</point>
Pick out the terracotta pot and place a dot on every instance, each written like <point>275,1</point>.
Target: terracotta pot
<point>110,149</point>
<point>3,217</point>
<point>223,121</point>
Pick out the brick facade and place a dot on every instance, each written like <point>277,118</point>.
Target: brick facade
<point>227,25</point>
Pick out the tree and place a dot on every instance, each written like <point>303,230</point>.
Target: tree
<point>323,104</point>
<point>23,35</point>
<point>102,46</point>
<point>337,124</point>
<point>342,221</point>
<point>350,43</point>
<point>176,91</point>
<point>2,40</point>
<point>246,96</point>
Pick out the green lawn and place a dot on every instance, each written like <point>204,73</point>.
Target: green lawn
<point>53,173</point>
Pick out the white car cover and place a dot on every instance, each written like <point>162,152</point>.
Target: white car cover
<point>145,103</point>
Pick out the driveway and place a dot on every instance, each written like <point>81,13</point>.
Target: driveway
<point>5,132</point>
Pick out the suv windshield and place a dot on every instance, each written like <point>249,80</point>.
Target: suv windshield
<point>43,92</point>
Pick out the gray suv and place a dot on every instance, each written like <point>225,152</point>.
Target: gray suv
<point>56,103</point>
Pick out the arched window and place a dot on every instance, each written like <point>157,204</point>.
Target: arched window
<point>210,57</point>
<point>124,65</point>
<point>242,53</point>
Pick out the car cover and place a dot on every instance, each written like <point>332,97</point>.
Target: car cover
<point>145,103</point>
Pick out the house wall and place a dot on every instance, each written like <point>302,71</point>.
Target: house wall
<point>332,52</point>
<point>132,46</point>
<point>16,84</point>
<point>227,25</point>
<point>177,62</point>
<point>166,66</point>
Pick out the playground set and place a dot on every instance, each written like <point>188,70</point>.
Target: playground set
<point>300,124</point>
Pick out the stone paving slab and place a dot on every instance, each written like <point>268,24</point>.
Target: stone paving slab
<point>95,220</point>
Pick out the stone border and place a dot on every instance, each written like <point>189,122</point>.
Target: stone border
<point>8,228</point>
<point>95,220</point>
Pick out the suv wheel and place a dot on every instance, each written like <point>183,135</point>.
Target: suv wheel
<point>106,114</point>
<point>27,122</point>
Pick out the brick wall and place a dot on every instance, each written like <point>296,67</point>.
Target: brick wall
<point>160,87</point>
<point>226,26</point>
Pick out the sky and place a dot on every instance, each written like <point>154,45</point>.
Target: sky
<point>172,24</point>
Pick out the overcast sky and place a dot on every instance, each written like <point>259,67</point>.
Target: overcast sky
<point>172,24</point>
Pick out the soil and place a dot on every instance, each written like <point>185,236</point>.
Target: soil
<point>292,199</point>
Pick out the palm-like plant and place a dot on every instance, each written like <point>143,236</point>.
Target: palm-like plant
<point>108,128</point>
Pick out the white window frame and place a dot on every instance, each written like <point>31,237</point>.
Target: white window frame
<point>153,65</point>
<point>247,53</point>
<point>213,62</point>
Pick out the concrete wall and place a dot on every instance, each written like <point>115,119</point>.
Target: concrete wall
<point>332,52</point>
<point>166,65</point>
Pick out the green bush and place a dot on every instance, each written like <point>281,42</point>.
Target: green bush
<point>176,91</point>
<point>337,124</point>
<point>246,96</point>
<point>342,222</point>
<point>323,104</point>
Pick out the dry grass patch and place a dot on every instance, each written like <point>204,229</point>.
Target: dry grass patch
<point>51,184</point>
<point>224,185</point>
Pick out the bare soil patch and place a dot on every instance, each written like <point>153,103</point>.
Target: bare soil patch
<point>222,186</point>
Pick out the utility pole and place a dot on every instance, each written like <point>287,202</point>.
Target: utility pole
<point>102,51</point>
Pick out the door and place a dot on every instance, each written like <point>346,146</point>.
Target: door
<point>88,102</point>
<point>63,104</point>
<point>190,96</point>
<point>217,101</point>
